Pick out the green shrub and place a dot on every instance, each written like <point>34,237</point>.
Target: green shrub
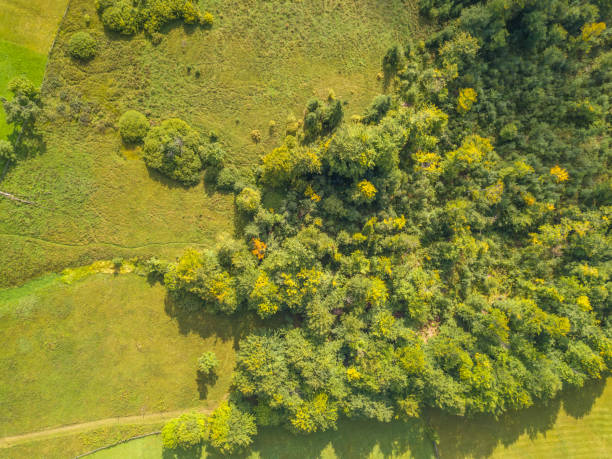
<point>7,152</point>
<point>173,148</point>
<point>121,17</point>
<point>207,363</point>
<point>248,200</point>
<point>207,20</point>
<point>226,180</point>
<point>256,136</point>
<point>186,431</point>
<point>214,156</point>
<point>231,429</point>
<point>133,126</point>
<point>129,17</point>
<point>82,46</point>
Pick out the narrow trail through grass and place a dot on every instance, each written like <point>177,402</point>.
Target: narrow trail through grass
<point>151,418</point>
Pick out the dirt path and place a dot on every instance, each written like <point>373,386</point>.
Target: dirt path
<point>7,442</point>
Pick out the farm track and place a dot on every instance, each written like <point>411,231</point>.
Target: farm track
<point>7,442</point>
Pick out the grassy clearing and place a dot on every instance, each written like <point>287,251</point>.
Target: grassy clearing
<point>103,346</point>
<point>27,29</point>
<point>261,61</point>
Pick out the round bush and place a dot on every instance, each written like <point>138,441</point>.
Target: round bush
<point>214,156</point>
<point>207,20</point>
<point>7,151</point>
<point>82,46</point>
<point>121,17</point>
<point>226,180</point>
<point>248,200</point>
<point>207,363</point>
<point>133,126</point>
<point>173,148</point>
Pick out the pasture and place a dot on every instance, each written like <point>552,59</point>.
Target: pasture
<point>260,62</point>
<point>102,347</point>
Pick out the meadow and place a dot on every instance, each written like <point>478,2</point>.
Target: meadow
<point>101,347</point>
<point>260,62</point>
<point>27,29</point>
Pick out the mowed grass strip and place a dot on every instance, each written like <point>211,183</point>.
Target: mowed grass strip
<point>587,436</point>
<point>260,62</point>
<point>101,347</point>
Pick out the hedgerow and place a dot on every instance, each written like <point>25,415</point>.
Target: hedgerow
<point>128,17</point>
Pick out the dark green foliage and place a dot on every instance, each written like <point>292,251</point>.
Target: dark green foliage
<point>7,152</point>
<point>379,108</point>
<point>133,126</point>
<point>214,156</point>
<point>321,118</point>
<point>446,252</point>
<point>392,60</point>
<point>82,46</point>
<point>128,18</point>
<point>173,148</point>
<point>23,109</point>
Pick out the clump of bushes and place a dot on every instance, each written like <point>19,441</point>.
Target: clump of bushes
<point>82,46</point>
<point>227,429</point>
<point>322,118</point>
<point>186,431</point>
<point>248,200</point>
<point>207,364</point>
<point>7,152</point>
<point>174,148</point>
<point>133,126</point>
<point>128,18</point>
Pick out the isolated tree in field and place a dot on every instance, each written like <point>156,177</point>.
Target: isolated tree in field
<point>174,149</point>
<point>207,364</point>
<point>24,107</point>
<point>133,126</point>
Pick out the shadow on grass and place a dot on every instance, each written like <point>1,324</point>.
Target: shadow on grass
<point>204,383</point>
<point>188,312</point>
<point>167,181</point>
<point>480,436</point>
<point>188,453</point>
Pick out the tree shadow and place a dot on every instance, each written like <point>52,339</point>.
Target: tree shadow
<point>578,402</point>
<point>352,439</point>
<point>478,437</point>
<point>211,175</point>
<point>187,310</point>
<point>183,453</point>
<point>204,382</point>
<point>167,181</point>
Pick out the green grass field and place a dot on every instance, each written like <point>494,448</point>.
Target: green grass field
<point>260,62</point>
<point>27,29</point>
<point>61,447</point>
<point>101,347</point>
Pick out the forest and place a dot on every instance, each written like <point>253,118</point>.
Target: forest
<point>449,249</point>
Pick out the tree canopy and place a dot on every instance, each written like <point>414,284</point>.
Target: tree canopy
<point>450,248</point>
